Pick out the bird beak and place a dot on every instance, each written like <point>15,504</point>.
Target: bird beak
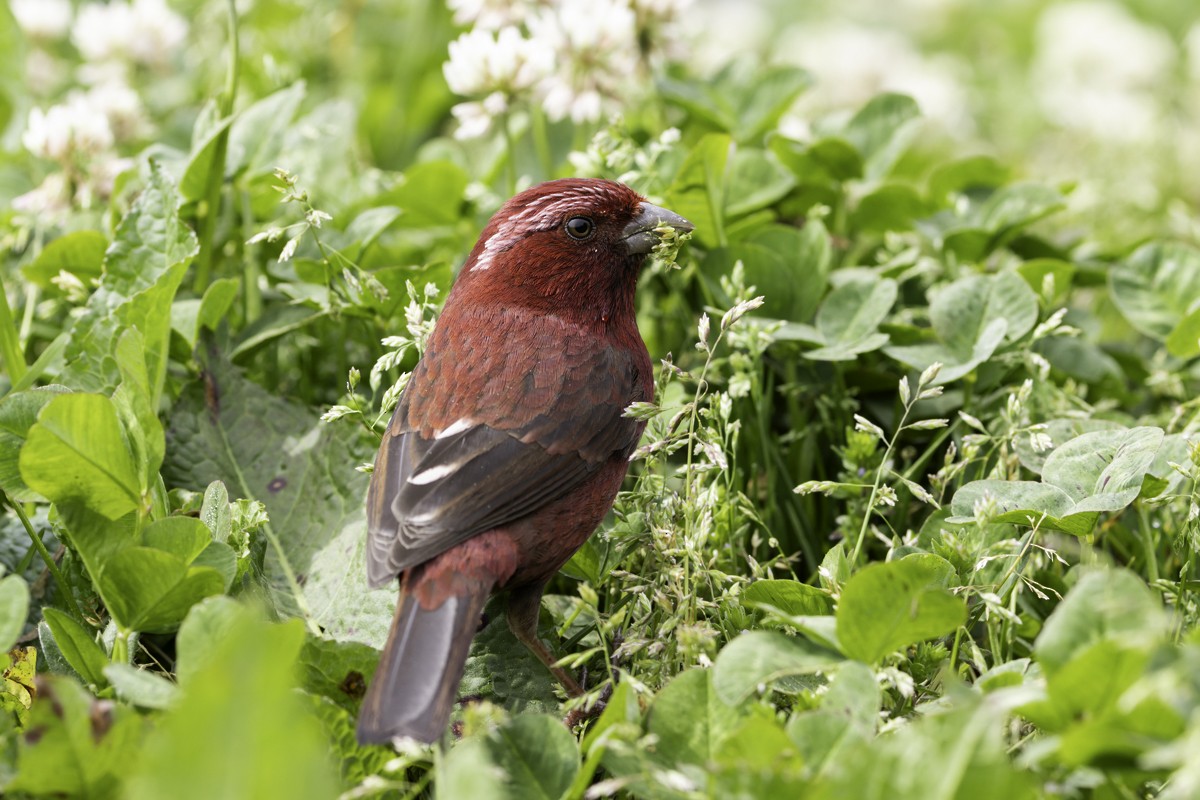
<point>639,234</point>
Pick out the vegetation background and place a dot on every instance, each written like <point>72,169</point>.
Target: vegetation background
<point>916,515</point>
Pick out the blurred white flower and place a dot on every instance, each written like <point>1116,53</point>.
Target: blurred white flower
<point>852,64</point>
<point>1097,69</point>
<point>146,32</point>
<point>490,15</point>
<point>42,19</point>
<point>70,129</point>
<point>48,199</point>
<point>593,45</point>
<point>121,105</point>
<point>500,67</point>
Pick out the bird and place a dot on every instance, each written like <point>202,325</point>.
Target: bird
<point>510,440</point>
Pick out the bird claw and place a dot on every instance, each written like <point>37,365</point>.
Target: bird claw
<point>580,714</point>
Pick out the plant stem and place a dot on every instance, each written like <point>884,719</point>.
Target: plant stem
<point>63,588</point>
<point>887,455</point>
<point>211,206</point>
<point>10,342</point>
<point>120,648</point>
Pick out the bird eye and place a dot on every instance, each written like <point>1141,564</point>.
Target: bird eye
<point>580,227</point>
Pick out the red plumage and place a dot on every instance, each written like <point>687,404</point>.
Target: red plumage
<point>510,441</point>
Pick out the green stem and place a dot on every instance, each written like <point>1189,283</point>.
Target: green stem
<point>63,588</point>
<point>120,648</point>
<point>209,210</point>
<point>10,342</point>
<point>1149,545</point>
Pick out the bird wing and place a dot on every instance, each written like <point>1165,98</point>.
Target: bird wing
<point>551,421</point>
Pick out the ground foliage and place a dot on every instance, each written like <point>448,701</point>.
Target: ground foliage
<point>915,515</point>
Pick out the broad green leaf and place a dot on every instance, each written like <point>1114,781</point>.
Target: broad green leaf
<point>265,447</point>
<point>337,670</point>
<point>151,590</point>
<point>966,175</point>
<point>1059,431</point>
<point>531,756</point>
<point>80,253</point>
<point>239,709</point>
<point>215,513</point>
<point>790,597</point>
<point>1184,341</point>
<point>990,222</point>
<point>142,270</point>
<point>881,130</point>
<point>849,714</point>
<point>208,623</point>
<point>740,101</point>
<point>193,183</point>
<point>690,719</point>
<point>78,646</point>
<point>137,406</point>
<point>277,321</point>
<point>18,413</point>
<point>890,207</point>
<point>788,267</point>
<point>698,191</point>
<point>1103,470</point>
<point>756,180</point>
<point>1050,278</point>
<point>1025,503</point>
<point>141,687</point>
<point>189,317</point>
<point>758,658</point>
<point>430,195</point>
<point>849,317</point>
<point>888,606</point>
<point>507,672</point>
<point>14,608</point>
<point>971,317</point>
<point>1158,288</point>
<point>257,133</point>
<point>85,746</point>
<point>76,452</point>
<point>1105,604</point>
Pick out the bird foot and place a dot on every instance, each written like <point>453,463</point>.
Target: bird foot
<point>581,714</point>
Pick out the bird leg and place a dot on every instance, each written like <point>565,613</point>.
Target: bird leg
<point>524,608</point>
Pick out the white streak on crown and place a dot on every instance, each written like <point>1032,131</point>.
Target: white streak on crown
<point>542,213</point>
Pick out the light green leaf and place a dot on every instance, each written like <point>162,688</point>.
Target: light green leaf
<point>76,452</point>
<point>531,756</point>
<point>888,606</point>
<point>141,687</point>
<point>881,130</point>
<point>698,191</point>
<point>431,195</point>
<point>257,133</point>
<point>758,658</point>
<point>1158,288</point>
<point>1025,503</point>
<point>849,316</point>
<point>790,597</point>
<point>1059,431</point>
<point>690,718</point>
<point>239,709</point>
<point>1111,604</point>
<point>14,608</point>
<point>18,413</point>
<point>78,646</point>
<point>80,253</point>
<point>1103,470</point>
<point>756,180</point>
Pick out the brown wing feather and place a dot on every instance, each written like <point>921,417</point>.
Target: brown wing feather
<point>546,419</point>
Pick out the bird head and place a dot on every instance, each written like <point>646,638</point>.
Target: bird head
<point>563,245</point>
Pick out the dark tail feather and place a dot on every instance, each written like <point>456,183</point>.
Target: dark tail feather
<point>417,679</point>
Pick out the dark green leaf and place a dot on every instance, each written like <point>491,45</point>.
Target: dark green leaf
<point>78,646</point>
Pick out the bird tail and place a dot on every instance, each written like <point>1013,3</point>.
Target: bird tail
<point>417,679</point>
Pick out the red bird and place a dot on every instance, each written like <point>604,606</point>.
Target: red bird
<point>509,442</point>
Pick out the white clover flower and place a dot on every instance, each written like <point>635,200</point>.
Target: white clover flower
<point>853,63</point>
<point>1097,69</point>
<point>146,32</point>
<point>490,15</point>
<point>64,131</point>
<point>501,66</point>
<point>591,60</point>
<point>48,199</point>
<point>121,105</point>
<point>42,19</point>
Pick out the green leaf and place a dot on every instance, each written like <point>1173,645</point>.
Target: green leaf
<point>189,317</point>
<point>1049,278</point>
<point>505,671</point>
<point>142,271</point>
<point>1158,289</point>
<point>194,182</point>
<point>76,452</point>
<point>887,606</point>
<point>890,207</point>
<point>239,709</point>
<point>1184,341</point>
<point>431,195</point>
<point>881,130</point>
<point>790,597</point>
<point>530,756</point>
<point>740,101</point>
<point>971,317</point>
<point>265,447</point>
<point>14,608</point>
<point>1059,431</point>
<point>756,180</point>
<point>338,670</point>
<point>257,133</point>
<point>966,175</point>
<point>1104,605</point>
<point>698,190</point>
<point>141,687</point>
<point>18,413</point>
<point>690,718</point>
<point>78,646</point>
<point>207,625</point>
<point>80,253</point>
<point>759,658</point>
<point>848,715</point>
<point>136,406</point>
<point>1025,503</point>
<point>84,748</point>
<point>151,590</point>
<point>849,317</point>
<point>1103,470</point>
<point>215,512</point>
